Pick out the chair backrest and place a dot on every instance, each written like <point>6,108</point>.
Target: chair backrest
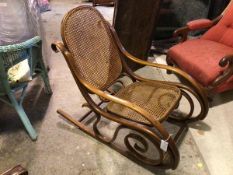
<point>222,32</point>
<point>10,55</point>
<point>95,56</point>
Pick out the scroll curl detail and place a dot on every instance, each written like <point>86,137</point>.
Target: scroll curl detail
<point>138,150</point>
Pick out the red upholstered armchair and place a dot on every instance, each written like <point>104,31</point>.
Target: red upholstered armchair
<point>208,59</point>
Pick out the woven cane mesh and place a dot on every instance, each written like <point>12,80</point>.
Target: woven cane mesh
<point>157,99</point>
<point>96,57</point>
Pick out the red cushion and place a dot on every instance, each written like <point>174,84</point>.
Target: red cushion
<point>200,58</point>
<point>223,31</point>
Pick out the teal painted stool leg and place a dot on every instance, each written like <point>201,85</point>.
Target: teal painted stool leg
<point>23,116</point>
<point>45,77</point>
<point>37,55</point>
<point>9,56</point>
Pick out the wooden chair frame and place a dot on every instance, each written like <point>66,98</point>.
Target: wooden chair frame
<point>134,152</point>
<point>17,170</point>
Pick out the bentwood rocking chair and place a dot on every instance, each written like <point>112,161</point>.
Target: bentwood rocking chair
<point>95,57</point>
<point>208,59</point>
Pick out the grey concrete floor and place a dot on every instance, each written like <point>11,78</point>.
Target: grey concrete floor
<point>61,148</point>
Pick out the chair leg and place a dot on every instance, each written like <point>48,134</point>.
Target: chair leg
<point>45,77</point>
<point>169,63</point>
<point>23,117</point>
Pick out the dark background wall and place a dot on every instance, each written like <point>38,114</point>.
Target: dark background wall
<point>176,13</point>
<point>216,7</point>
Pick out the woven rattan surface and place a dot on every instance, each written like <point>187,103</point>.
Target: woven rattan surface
<point>13,54</point>
<point>156,98</point>
<point>96,57</point>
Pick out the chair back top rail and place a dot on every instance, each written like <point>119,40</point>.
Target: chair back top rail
<point>10,55</point>
<point>20,46</point>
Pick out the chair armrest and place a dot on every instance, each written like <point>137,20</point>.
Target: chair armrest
<point>177,71</point>
<point>20,46</point>
<point>195,25</point>
<point>225,61</point>
<point>192,26</point>
<point>58,46</point>
<point>199,24</point>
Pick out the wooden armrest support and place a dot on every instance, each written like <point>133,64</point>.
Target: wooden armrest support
<point>175,70</point>
<point>226,61</point>
<point>58,46</point>
<point>181,32</point>
<point>195,25</point>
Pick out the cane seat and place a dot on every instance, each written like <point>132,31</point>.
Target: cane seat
<point>158,99</point>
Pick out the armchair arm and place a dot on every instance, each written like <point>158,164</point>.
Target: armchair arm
<point>183,74</point>
<point>226,61</point>
<point>195,25</point>
<point>199,24</point>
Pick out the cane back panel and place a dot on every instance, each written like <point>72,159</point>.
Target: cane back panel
<point>95,54</point>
